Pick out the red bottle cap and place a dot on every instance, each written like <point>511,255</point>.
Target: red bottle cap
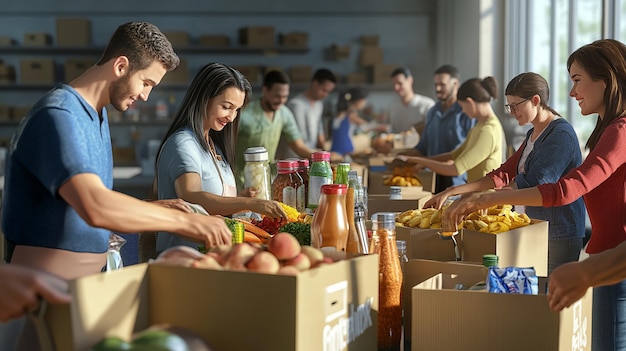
<point>334,189</point>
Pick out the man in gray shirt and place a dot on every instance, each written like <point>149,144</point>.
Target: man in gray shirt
<point>307,108</point>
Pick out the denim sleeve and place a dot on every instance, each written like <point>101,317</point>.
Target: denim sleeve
<point>550,161</point>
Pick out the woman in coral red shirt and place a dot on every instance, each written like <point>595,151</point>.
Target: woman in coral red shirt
<point>598,71</point>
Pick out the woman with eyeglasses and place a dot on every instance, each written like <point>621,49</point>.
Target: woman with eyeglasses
<point>483,149</point>
<point>549,151</point>
<point>598,73</point>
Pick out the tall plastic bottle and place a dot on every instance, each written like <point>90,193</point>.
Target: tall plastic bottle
<point>329,228</point>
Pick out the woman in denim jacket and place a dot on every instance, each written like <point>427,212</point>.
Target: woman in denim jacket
<point>549,151</point>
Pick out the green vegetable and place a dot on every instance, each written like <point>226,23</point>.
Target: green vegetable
<point>301,231</point>
<point>230,223</point>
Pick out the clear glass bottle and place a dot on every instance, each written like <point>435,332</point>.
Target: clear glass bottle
<point>390,281</point>
<point>353,242</point>
<point>329,227</point>
<point>257,171</point>
<point>287,183</point>
<point>401,244</point>
<point>320,173</point>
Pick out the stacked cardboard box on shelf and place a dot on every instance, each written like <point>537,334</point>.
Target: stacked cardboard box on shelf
<point>214,41</point>
<point>179,39</point>
<point>37,39</point>
<point>371,59</point>
<point>76,66</point>
<point>293,39</point>
<point>257,36</point>
<point>37,71</point>
<point>73,32</point>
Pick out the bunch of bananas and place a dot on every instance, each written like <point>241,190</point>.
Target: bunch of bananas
<point>402,176</point>
<point>494,220</point>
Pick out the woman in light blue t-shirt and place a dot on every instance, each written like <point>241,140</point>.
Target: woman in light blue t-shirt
<point>195,159</point>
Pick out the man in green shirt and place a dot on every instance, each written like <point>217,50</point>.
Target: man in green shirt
<point>264,120</point>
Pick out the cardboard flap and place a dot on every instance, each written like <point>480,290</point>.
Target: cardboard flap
<point>101,308</point>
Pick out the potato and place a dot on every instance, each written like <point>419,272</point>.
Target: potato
<point>284,246</point>
<point>312,253</point>
<point>301,261</point>
<point>179,256</point>
<point>264,262</point>
<point>239,256</point>
<point>207,262</point>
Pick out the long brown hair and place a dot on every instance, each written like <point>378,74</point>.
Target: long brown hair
<point>604,60</point>
<point>526,85</point>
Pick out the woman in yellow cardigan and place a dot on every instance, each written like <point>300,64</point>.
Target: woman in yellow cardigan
<point>483,150</point>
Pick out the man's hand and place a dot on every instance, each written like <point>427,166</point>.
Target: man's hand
<point>212,231</point>
<point>22,287</point>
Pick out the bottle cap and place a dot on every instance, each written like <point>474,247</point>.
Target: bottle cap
<point>383,220</point>
<point>286,165</point>
<point>258,153</point>
<point>334,189</point>
<point>320,156</point>
<point>490,260</point>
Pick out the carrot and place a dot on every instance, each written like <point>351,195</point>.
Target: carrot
<point>260,232</point>
<point>250,237</point>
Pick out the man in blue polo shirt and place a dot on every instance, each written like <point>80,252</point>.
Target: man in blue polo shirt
<point>446,124</point>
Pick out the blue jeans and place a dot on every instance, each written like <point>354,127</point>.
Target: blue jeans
<point>562,251</point>
<point>609,318</point>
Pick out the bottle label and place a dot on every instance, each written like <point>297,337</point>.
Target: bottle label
<point>315,188</point>
<point>290,196</point>
<point>300,200</point>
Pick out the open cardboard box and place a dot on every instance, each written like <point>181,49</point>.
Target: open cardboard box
<point>376,185</point>
<point>521,247</point>
<point>330,307</point>
<point>447,319</point>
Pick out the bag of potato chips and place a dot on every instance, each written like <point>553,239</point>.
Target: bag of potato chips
<point>512,280</point>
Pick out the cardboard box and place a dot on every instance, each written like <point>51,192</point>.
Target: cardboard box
<point>257,36</point>
<point>214,41</point>
<point>301,74</point>
<point>371,55</point>
<point>355,78</point>
<point>6,112</point>
<point>318,309</point>
<point>179,39</point>
<point>336,52</point>
<point>37,71</point>
<point>447,319</point>
<point>371,40</point>
<point>7,74</point>
<point>178,76</point>
<point>294,40</point>
<point>6,41</point>
<point>381,72</point>
<point>76,66</point>
<point>427,244</point>
<point>252,73</point>
<point>37,39</point>
<point>73,32</point>
<point>521,247</point>
<point>376,185</point>
<point>18,112</point>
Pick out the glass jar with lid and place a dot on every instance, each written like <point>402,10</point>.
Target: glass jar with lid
<point>288,187</point>
<point>257,171</point>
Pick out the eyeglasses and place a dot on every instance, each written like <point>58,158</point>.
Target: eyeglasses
<point>511,108</point>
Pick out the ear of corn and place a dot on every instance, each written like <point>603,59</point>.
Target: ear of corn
<point>292,213</point>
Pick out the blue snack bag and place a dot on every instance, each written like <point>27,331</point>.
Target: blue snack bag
<point>512,280</point>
